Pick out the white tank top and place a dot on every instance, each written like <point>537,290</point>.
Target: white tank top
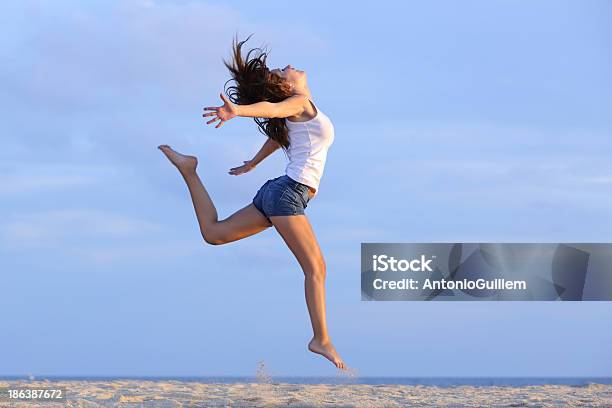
<point>308,145</point>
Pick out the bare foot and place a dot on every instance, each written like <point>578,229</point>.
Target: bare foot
<point>327,350</point>
<point>185,164</point>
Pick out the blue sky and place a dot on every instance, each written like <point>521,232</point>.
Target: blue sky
<point>455,121</point>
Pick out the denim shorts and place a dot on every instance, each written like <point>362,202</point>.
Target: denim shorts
<point>282,196</point>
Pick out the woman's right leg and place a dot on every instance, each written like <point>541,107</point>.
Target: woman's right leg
<point>297,233</point>
<point>243,223</point>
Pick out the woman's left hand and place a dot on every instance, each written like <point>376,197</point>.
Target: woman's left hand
<point>223,113</point>
<point>246,167</point>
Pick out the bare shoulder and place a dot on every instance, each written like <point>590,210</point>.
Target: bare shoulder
<point>305,112</point>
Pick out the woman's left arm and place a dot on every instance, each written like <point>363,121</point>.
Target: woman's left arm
<point>292,106</point>
<point>269,147</point>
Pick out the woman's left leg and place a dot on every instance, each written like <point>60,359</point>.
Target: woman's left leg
<point>243,223</point>
<point>297,233</point>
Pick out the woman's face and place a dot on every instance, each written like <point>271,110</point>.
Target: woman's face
<point>291,75</point>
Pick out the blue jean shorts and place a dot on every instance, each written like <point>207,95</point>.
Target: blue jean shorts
<point>282,196</point>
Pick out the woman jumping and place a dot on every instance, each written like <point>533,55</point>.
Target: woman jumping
<point>280,102</point>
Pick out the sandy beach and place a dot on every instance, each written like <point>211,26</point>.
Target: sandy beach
<point>138,393</point>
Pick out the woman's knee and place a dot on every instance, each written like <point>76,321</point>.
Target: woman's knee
<point>317,270</point>
<point>213,235</point>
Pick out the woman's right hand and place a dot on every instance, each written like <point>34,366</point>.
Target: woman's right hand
<point>245,168</point>
<point>222,113</point>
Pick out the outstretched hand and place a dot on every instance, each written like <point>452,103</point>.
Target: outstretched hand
<point>222,113</point>
<point>246,167</point>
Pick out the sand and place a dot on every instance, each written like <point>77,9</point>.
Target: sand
<point>138,393</point>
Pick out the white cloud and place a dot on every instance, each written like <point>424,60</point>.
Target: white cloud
<point>19,178</point>
<point>597,180</point>
<point>108,82</point>
<point>136,250</point>
<point>126,53</point>
<point>62,228</point>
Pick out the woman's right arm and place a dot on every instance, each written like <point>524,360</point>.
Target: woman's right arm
<point>292,106</point>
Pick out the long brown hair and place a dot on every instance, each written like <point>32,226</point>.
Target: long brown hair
<point>253,83</point>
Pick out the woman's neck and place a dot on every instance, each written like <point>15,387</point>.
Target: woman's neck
<point>303,91</point>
